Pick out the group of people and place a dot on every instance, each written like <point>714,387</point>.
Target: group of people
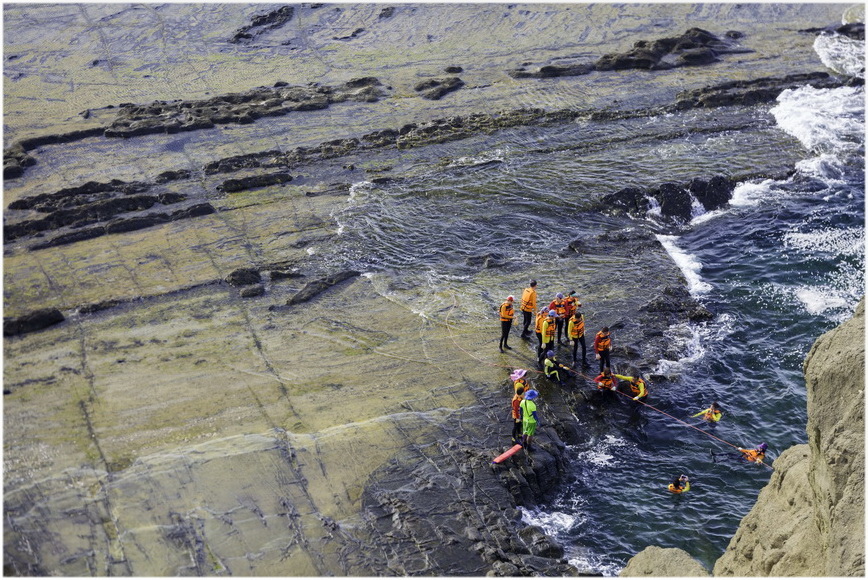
<point>560,319</point>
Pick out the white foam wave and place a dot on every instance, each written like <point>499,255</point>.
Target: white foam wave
<point>689,340</point>
<point>846,242</point>
<point>602,454</point>
<point>552,523</point>
<point>842,54</point>
<point>482,158</point>
<point>688,264</point>
<point>824,120</point>
<point>750,194</point>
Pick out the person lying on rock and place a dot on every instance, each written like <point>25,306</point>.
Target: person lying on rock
<point>554,370</point>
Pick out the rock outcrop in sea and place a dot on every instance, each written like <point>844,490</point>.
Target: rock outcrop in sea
<point>810,518</point>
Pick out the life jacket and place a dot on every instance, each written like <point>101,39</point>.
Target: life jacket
<point>528,299</point>
<point>540,317</point>
<point>753,455</point>
<point>604,382</point>
<point>516,406</point>
<point>712,415</point>
<point>603,341</point>
<point>577,326</point>
<point>637,389</point>
<point>551,329</point>
<point>506,311</point>
<point>520,383</point>
<point>677,489</point>
<point>559,306</point>
<point>570,303</point>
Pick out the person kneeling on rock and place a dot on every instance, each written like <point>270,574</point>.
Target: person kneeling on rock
<point>551,366</point>
<point>529,418</point>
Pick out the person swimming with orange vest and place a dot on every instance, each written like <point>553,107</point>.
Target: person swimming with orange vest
<point>756,455</point>
<point>680,484</point>
<point>712,414</point>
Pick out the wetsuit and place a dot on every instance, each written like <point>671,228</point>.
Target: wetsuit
<point>506,315</point>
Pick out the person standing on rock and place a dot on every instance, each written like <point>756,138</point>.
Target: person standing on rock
<point>549,327</point>
<point>528,306</point>
<point>540,318</point>
<point>572,305</point>
<point>517,426</point>
<point>576,333</point>
<point>559,305</point>
<point>507,313</point>
<point>529,418</point>
<point>603,347</point>
<point>519,379</point>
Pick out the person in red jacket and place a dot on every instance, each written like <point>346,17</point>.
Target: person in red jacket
<point>603,348</point>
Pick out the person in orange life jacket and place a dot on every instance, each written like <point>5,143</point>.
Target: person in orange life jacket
<point>680,484</point>
<point>751,455</point>
<point>606,380</point>
<point>548,335</point>
<point>517,398</point>
<point>540,318</point>
<point>572,304</point>
<point>528,306</point>
<point>576,332</point>
<point>712,414</point>
<point>559,305</point>
<point>507,313</point>
<point>637,386</point>
<point>551,366</point>
<point>519,380</point>
<point>754,455</point>
<point>603,347</point>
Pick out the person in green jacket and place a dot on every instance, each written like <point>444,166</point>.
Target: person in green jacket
<point>553,369</point>
<point>529,418</point>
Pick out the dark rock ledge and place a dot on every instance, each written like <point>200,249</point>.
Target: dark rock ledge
<point>693,48</point>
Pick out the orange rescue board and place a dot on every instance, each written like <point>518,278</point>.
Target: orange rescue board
<point>509,453</point>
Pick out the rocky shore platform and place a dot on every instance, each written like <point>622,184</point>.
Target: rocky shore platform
<point>195,383</point>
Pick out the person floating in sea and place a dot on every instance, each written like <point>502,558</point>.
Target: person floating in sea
<point>637,386</point>
<point>712,414</point>
<point>549,326</point>
<point>554,370</point>
<point>680,484</point>
<point>507,313</point>
<point>576,332</point>
<point>755,455</point>
<point>517,427</point>
<point>559,305</point>
<point>603,347</point>
<point>529,418</point>
<point>528,306</point>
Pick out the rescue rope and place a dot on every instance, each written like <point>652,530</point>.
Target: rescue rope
<point>578,374</point>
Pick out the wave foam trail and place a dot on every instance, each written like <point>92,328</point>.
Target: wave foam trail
<point>842,54</point>
<point>824,120</point>
<point>688,264</point>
